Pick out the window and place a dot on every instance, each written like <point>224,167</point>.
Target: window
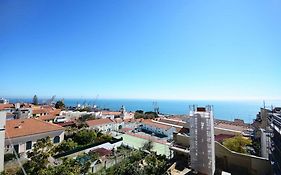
<point>28,145</point>
<point>16,148</point>
<point>57,139</point>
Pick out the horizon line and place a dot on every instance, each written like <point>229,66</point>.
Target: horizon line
<point>153,99</point>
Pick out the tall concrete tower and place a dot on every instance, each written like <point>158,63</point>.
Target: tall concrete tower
<point>2,138</point>
<point>202,147</point>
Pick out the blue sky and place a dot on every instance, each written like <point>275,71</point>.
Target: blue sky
<point>183,49</point>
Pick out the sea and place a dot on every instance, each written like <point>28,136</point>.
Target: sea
<point>227,110</point>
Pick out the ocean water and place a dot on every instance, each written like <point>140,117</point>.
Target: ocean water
<point>228,110</point>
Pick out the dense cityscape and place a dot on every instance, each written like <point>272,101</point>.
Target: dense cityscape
<point>53,138</point>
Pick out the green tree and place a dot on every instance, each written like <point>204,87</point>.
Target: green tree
<point>86,117</point>
<point>155,165</point>
<point>35,100</point>
<point>87,109</point>
<point>150,115</point>
<point>42,150</point>
<point>139,111</point>
<point>68,167</point>
<point>237,143</point>
<point>84,137</point>
<point>147,146</point>
<point>66,145</point>
<point>60,104</point>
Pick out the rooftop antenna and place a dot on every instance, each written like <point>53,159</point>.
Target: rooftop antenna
<point>155,107</point>
<point>51,100</point>
<point>264,104</point>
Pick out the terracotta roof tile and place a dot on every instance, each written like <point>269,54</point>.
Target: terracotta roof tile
<point>118,120</point>
<point>6,106</point>
<point>221,137</point>
<point>231,126</point>
<point>156,125</point>
<point>98,122</point>
<point>69,123</point>
<point>31,126</point>
<point>111,113</point>
<point>183,130</point>
<point>172,121</point>
<point>47,117</point>
<point>39,110</point>
<point>102,151</point>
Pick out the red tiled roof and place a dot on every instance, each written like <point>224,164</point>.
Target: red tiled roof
<point>6,106</point>
<point>47,117</point>
<point>70,123</point>
<point>102,151</point>
<point>129,120</point>
<point>156,125</point>
<point>46,109</point>
<point>25,105</point>
<point>111,113</point>
<point>55,111</point>
<point>183,130</point>
<point>231,126</point>
<point>221,137</point>
<point>31,126</point>
<point>98,122</point>
<point>126,129</point>
<point>173,121</point>
<point>39,110</point>
<point>118,120</point>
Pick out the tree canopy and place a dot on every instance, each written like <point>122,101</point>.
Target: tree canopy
<point>237,143</point>
<point>60,104</point>
<point>146,115</point>
<point>147,146</point>
<point>35,100</point>
<point>66,145</point>
<point>139,163</point>
<point>84,137</point>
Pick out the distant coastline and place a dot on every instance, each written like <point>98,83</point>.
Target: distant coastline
<point>227,110</point>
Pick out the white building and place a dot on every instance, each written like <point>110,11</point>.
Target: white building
<point>103,124</point>
<point>158,128</point>
<point>4,101</point>
<point>22,134</point>
<point>202,148</point>
<point>74,115</point>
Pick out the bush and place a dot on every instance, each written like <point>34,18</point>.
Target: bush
<point>237,144</point>
<point>9,156</point>
<point>146,115</point>
<point>84,137</point>
<point>66,146</point>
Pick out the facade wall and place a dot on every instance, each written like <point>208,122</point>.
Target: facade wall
<point>168,133</point>
<point>108,116</point>
<point>105,127</point>
<point>131,125</point>
<point>264,113</point>
<point>182,140</point>
<point>21,141</point>
<point>238,163</point>
<point>264,143</point>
